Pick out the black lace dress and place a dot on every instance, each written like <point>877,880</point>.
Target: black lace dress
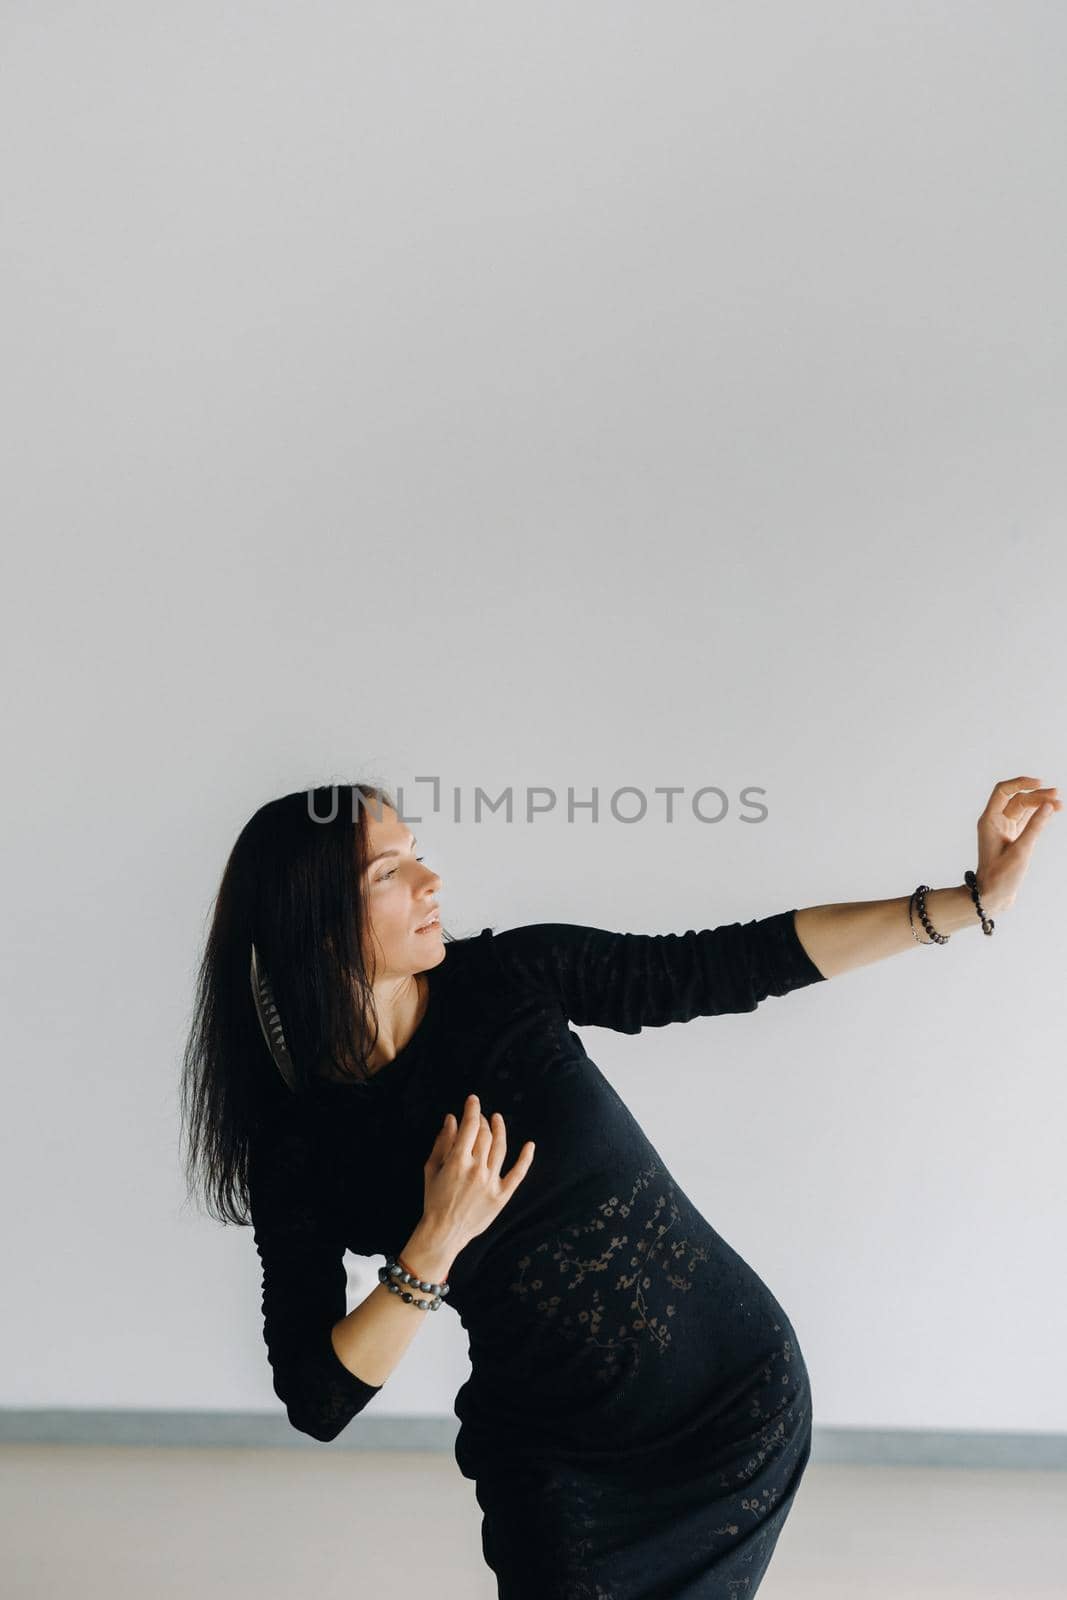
<point>638,1415</point>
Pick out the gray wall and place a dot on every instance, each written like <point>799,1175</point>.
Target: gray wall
<point>563,396</point>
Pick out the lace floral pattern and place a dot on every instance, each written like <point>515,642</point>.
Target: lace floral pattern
<point>647,1265</point>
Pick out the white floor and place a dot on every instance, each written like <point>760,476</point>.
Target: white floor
<point>85,1523</point>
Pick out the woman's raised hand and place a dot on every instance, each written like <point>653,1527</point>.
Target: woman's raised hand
<point>463,1190</point>
<point>1015,815</point>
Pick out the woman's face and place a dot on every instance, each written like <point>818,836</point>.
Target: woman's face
<point>401,892</point>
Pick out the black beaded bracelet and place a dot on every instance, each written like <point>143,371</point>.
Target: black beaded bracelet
<point>919,897</point>
<point>971,881</point>
<point>914,935</point>
<point>920,905</point>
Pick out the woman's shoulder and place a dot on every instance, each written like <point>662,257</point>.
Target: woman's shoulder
<point>465,951</point>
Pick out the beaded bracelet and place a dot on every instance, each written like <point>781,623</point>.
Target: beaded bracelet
<point>919,897</point>
<point>972,883</point>
<point>914,935</point>
<point>394,1269</point>
<point>920,905</point>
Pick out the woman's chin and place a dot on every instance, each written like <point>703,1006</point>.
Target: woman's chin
<point>433,951</point>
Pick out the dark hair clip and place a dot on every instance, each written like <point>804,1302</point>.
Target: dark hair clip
<point>271,1022</point>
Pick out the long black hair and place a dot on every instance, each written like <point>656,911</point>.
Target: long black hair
<point>293,884</point>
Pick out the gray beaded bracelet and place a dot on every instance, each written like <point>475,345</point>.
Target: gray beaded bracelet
<point>393,1271</point>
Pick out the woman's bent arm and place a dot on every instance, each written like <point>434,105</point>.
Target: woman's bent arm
<point>371,1339</point>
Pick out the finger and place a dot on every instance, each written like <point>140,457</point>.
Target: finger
<point>1003,791</point>
<point>1043,801</point>
<point>521,1166</point>
<point>441,1145</point>
<point>483,1138</point>
<point>1022,848</point>
<point>1034,823</point>
<point>1025,800</point>
<point>1030,800</point>
<point>468,1127</point>
<point>498,1149</point>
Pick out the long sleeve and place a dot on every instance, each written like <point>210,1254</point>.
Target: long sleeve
<point>627,981</point>
<point>302,1257</point>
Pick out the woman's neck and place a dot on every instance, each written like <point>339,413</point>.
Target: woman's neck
<point>396,1028</point>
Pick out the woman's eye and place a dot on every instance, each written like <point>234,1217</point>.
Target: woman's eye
<point>392,871</point>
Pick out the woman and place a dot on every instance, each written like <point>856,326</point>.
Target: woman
<point>638,1415</point>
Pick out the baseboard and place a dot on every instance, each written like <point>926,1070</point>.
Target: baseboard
<point>259,1430</point>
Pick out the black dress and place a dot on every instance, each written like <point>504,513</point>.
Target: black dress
<point>638,1415</point>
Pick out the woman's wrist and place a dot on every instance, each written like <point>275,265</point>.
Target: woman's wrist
<point>429,1254</point>
<point>951,910</point>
